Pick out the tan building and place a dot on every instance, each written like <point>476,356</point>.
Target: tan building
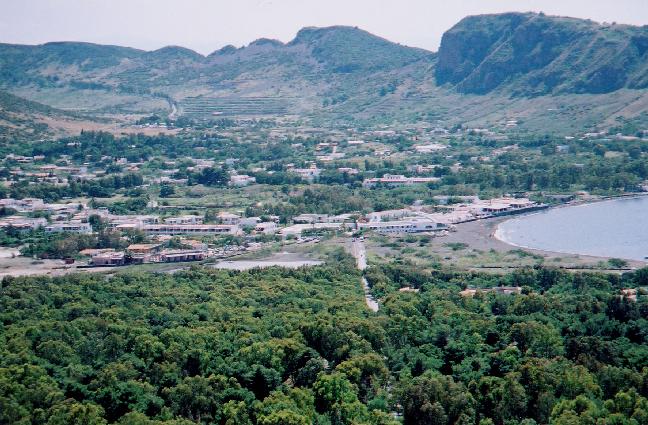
<point>144,248</point>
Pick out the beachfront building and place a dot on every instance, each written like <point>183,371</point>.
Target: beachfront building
<point>500,206</point>
<point>297,229</point>
<point>412,225</point>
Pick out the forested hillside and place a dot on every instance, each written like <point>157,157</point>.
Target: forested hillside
<point>298,347</point>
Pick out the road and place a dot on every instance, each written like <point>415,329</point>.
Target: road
<point>174,110</point>
<point>360,253</point>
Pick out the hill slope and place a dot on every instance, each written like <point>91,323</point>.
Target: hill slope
<point>534,54</point>
<point>489,68</point>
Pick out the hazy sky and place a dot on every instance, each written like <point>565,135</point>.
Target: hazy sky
<point>206,25</point>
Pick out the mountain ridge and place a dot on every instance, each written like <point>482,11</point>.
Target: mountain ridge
<point>544,54</point>
<point>346,73</point>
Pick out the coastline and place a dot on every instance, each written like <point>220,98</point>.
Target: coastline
<point>497,234</point>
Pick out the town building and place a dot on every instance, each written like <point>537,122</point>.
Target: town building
<point>191,229</point>
<point>397,180</point>
<point>173,256</point>
<point>388,215</point>
<point>268,228</point>
<point>348,170</point>
<point>109,259</point>
<point>249,221</point>
<point>501,290</point>
<point>240,180</point>
<point>309,174</point>
<point>194,244</point>
<point>22,223</point>
<point>228,218</point>
<point>23,205</point>
<point>414,225</point>
<point>69,227</point>
<point>310,218</point>
<point>184,219</point>
<point>429,148</point>
<point>144,248</point>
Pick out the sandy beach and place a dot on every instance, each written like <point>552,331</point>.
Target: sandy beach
<point>481,235</point>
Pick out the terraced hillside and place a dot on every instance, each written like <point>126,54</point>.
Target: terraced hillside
<point>203,107</point>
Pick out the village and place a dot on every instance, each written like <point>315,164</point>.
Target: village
<point>212,196</point>
<point>182,238</point>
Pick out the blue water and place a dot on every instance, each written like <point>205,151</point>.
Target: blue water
<point>616,228</point>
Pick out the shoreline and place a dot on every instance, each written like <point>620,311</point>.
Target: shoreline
<point>497,234</point>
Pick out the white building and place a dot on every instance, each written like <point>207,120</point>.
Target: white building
<point>267,227</point>
<point>429,148</point>
<point>310,218</point>
<point>249,221</point>
<point>22,223</point>
<point>191,229</point>
<point>131,221</point>
<point>348,170</point>
<point>398,180</point>
<point>69,226</point>
<point>500,205</point>
<point>228,218</point>
<point>23,205</point>
<point>184,219</point>
<point>241,180</point>
<point>415,225</point>
<point>297,229</point>
<point>309,174</point>
<point>388,215</point>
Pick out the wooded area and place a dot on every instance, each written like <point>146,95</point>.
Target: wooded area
<point>298,347</point>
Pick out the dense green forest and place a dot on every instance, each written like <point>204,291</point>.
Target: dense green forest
<point>283,346</point>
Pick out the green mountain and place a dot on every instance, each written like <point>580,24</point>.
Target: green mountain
<point>550,73</point>
<point>534,54</point>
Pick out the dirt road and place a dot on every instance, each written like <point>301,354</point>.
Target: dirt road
<point>360,253</point>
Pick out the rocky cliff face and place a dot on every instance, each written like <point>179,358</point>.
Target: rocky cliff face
<point>534,54</point>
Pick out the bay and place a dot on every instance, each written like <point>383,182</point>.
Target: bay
<point>615,228</point>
